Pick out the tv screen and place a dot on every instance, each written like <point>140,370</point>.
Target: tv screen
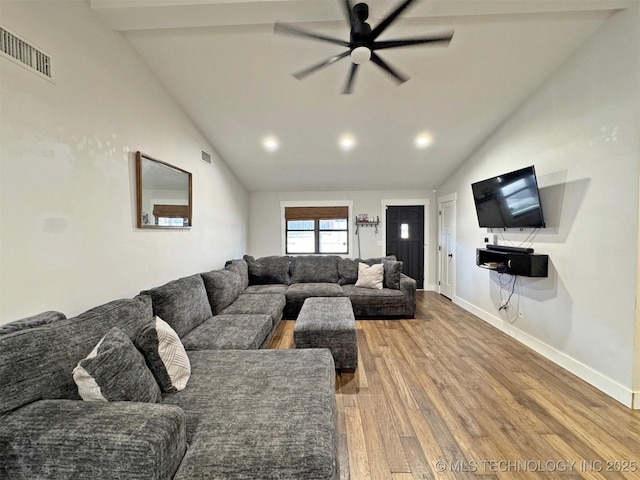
<point>511,200</point>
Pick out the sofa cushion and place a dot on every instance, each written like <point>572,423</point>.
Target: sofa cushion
<point>243,270</point>
<point>31,322</point>
<point>267,270</point>
<point>273,288</point>
<point>271,304</point>
<point>227,332</point>
<point>392,273</point>
<point>348,267</point>
<point>182,303</point>
<point>370,276</point>
<point>235,420</point>
<point>68,439</point>
<point>222,286</point>
<point>165,355</point>
<point>348,270</point>
<point>301,291</point>
<point>115,371</point>
<point>315,269</point>
<point>371,296</point>
<point>36,363</point>
<point>376,260</point>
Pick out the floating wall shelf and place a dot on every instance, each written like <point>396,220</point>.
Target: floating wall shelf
<point>513,263</point>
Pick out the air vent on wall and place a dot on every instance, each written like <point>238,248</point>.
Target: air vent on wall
<point>206,157</point>
<point>22,52</point>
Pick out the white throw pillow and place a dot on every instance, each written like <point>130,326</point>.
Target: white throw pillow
<point>165,355</point>
<point>370,276</point>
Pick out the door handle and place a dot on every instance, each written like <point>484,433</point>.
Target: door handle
<point>450,255</point>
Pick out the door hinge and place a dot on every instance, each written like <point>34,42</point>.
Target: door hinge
<point>440,212</point>
<point>439,282</point>
<point>439,248</point>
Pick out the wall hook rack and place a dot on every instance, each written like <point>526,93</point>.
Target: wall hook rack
<point>368,223</point>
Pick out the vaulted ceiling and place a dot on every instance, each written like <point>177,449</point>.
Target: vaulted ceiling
<point>222,62</point>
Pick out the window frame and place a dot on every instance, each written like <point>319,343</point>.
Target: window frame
<point>317,230</point>
<point>316,235</point>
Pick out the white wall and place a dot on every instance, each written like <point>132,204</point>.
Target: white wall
<point>266,226</point>
<point>67,211</point>
<point>580,130</point>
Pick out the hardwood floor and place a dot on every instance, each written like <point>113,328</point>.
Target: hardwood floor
<point>446,395</point>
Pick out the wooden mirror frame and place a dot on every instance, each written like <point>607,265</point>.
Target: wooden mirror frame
<point>140,157</point>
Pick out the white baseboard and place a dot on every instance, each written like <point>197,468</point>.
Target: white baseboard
<point>612,388</point>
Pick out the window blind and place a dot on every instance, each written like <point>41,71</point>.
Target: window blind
<point>171,211</point>
<point>315,213</point>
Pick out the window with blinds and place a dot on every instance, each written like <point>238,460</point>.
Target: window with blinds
<point>171,215</point>
<point>321,230</point>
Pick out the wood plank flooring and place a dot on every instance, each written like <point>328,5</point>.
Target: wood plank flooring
<point>445,395</point>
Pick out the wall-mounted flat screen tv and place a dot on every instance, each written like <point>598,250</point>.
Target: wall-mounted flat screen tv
<point>511,200</point>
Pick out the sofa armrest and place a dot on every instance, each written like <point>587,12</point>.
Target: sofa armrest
<point>408,286</point>
<point>70,439</point>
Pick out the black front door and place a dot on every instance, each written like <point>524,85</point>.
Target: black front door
<point>405,239</point>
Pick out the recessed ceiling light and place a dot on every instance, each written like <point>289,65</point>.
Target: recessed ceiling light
<point>423,140</point>
<point>270,143</point>
<point>347,142</point>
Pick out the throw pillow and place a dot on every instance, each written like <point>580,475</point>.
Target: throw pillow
<point>392,273</point>
<point>165,355</point>
<point>348,270</point>
<point>370,276</point>
<point>115,371</point>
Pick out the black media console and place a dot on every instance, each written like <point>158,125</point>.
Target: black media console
<point>513,260</point>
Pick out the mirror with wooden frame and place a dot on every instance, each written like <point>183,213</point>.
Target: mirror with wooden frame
<point>164,194</point>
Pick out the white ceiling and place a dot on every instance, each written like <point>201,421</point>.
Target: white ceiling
<point>232,75</point>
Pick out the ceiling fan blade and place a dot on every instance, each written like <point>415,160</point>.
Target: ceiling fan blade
<point>294,30</point>
<point>347,7</point>
<point>406,42</point>
<point>352,76</point>
<point>400,78</point>
<point>308,71</point>
<point>389,19</point>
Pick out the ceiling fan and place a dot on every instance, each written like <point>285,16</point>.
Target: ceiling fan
<point>362,45</point>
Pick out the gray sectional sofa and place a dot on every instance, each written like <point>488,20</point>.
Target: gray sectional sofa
<point>245,412</point>
<point>301,277</point>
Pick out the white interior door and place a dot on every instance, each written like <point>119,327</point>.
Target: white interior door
<point>446,248</point>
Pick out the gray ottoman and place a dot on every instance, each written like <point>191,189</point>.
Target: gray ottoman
<point>328,322</point>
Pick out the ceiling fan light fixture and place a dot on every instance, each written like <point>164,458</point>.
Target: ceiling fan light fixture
<point>363,42</point>
<point>360,55</point>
